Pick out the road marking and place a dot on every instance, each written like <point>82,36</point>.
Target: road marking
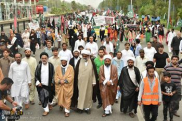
<point>140,115</point>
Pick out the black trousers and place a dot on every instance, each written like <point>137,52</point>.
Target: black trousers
<point>102,35</point>
<point>32,47</point>
<point>166,107</point>
<point>38,40</point>
<point>176,52</point>
<point>98,93</point>
<point>150,109</point>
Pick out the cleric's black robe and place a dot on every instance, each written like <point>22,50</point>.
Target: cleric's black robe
<point>74,99</point>
<point>50,88</point>
<point>129,95</point>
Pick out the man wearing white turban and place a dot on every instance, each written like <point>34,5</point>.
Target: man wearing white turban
<point>129,85</point>
<point>64,76</point>
<point>86,76</point>
<point>108,81</point>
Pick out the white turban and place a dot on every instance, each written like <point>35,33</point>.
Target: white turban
<point>86,52</point>
<point>27,49</point>
<point>76,51</point>
<point>107,57</point>
<point>64,58</point>
<point>131,58</point>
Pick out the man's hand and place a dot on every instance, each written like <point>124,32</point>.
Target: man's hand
<point>159,104</point>
<point>40,85</point>
<point>139,103</point>
<point>108,83</point>
<point>29,84</point>
<point>13,110</point>
<point>14,103</point>
<point>137,89</point>
<point>171,48</point>
<point>93,85</point>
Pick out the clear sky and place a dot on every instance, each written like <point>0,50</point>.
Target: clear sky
<point>93,3</point>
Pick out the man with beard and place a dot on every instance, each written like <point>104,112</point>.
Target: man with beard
<point>73,62</point>
<point>20,74</point>
<point>64,76</point>
<point>126,53</point>
<point>108,77</point>
<point>176,71</point>
<point>129,84</point>
<point>65,52</point>
<point>44,75</point>
<point>79,42</point>
<point>99,61</point>
<point>86,76</point>
<point>32,65</point>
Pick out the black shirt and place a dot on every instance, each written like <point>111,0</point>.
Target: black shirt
<point>3,94</point>
<point>167,88</point>
<point>160,59</point>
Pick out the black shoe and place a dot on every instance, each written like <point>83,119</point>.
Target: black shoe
<point>79,111</point>
<point>116,101</point>
<point>88,111</point>
<point>99,106</point>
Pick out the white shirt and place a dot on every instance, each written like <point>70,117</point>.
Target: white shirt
<point>76,61</point>
<point>149,53</point>
<point>67,53</point>
<point>109,47</point>
<point>107,72</point>
<point>21,76</point>
<point>140,63</point>
<point>45,74</point>
<point>93,47</point>
<point>78,43</point>
<point>125,55</point>
<point>133,76</point>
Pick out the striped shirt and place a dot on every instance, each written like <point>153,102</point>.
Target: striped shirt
<point>176,73</point>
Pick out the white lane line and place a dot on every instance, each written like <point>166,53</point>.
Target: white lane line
<point>140,115</point>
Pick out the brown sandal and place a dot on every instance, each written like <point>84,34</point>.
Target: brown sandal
<point>104,115</point>
<point>66,114</point>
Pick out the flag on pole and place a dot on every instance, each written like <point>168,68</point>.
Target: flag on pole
<point>108,11</point>
<point>15,22</point>
<point>30,17</point>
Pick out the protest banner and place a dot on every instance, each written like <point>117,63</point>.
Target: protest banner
<point>33,25</point>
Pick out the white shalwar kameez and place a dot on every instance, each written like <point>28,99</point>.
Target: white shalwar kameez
<point>20,74</point>
<point>26,40</point>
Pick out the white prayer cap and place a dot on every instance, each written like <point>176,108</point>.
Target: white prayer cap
<point>107,57</point>
<point>64,58</point>
<point>76,50</point>
<point>131,58</point>
<point>27,49</point>
<point>86,52</point>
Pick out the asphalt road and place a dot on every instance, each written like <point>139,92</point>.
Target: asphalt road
<point>34,113</point>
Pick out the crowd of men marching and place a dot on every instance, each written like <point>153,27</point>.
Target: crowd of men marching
<point>76,78</point>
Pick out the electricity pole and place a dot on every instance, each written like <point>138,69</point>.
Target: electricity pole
<point>169,9</point>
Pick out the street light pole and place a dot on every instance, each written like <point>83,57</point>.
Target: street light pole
<point>131,4</point>
<point>169,9</point>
